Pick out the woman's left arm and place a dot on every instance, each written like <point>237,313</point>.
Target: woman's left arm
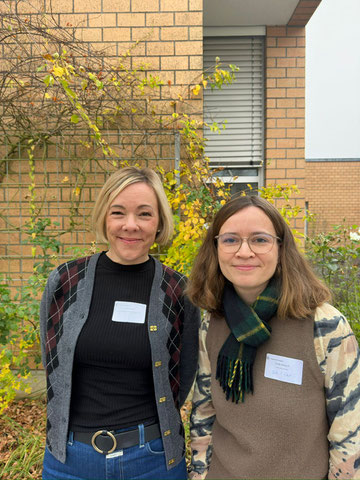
<point>339,359</point>
<point>189,348</point>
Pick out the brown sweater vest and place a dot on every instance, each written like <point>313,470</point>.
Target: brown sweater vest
<point>279,432</point>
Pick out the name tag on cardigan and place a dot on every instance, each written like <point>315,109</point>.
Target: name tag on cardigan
<point>129,312</point>
<point>284,369</point>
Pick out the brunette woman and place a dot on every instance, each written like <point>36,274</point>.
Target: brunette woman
<point>278,386</point>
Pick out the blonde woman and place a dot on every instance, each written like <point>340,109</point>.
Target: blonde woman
<point>119,345</point>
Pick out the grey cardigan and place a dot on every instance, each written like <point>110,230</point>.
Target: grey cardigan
<point>173,332</point>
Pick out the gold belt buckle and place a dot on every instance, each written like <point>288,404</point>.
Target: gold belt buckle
<point>101,432</point>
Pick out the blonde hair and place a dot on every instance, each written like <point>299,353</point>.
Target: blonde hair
<point>301,290</point>
<point>115,184</point>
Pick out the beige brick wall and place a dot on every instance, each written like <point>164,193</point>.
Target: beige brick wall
<point>169,33</point>
<point>333,194</point>
<point>285,109</point>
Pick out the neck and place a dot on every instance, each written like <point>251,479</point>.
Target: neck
<point>249,297</point>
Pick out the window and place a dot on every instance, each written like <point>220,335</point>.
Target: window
<point>238,151</point>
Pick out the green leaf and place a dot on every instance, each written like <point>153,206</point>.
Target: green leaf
<point>49,80</point>
<point>74,118</point>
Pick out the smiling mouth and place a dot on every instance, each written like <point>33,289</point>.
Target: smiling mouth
<point>245,268</point>
<point>129,240</point>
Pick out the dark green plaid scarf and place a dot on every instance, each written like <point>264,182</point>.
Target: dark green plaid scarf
<point>249,329</point>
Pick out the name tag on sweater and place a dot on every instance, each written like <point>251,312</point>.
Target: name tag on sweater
<point>129,312</point>
<point>284,369</point>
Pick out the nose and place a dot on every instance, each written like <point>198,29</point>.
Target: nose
<point>244,249</point>
<point>130,223</point>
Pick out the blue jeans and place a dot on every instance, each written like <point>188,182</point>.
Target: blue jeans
<point>144,461</point>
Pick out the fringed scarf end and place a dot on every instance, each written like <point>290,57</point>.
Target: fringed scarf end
<point>235,378</point>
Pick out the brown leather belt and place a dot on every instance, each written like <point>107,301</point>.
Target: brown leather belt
<point>105,442</point>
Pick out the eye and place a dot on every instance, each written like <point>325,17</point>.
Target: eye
<point>116,213</point>
<point>229,240</point>
<point>145,214</point>
<point>261,239</point>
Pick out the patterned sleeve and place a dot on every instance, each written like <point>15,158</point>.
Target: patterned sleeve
<point>203,412</point>
<point>338,356</point>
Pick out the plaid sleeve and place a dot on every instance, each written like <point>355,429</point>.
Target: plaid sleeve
<point>338,356</point>
<point>203,412</point>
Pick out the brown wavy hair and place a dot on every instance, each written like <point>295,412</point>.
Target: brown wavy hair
<point>301,290</point>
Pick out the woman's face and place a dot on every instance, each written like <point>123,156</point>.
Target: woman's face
<point>132,223</point>
<point>247,271</point>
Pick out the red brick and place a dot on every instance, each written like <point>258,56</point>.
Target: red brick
<point>276,92</point>
<point>287,42</point>
<point>270,83</point>
<point>286,62</point>
<point>275,113</point>
<point>275,153</point>
<point>276,52</point>
<point>271,42</point>
<point>276,173</point>
<point>286,83</point>
<point>271,62</point>
<point>296,52</point>
<point>286,163</point>
<point>295,153</point>
<point>286,123</point>
<point>295,72</point>
<point>295,92</point>
<point>276,31</point>
<point>295,132</point>
<point>296,112</point>
<point>275,72</point>
<point>286,143</point>
<point>286,103</point>
<point>275,133</point>
<point>295,31</point>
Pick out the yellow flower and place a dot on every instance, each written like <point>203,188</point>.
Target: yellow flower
<point>58,71</point>
<point>196,90</point>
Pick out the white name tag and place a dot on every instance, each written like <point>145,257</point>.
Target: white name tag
<point>284,369</point>
<point>129,312</point>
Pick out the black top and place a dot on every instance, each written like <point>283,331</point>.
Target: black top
<point>112,377</point>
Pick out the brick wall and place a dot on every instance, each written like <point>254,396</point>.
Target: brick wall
<point>285,108</point>
<point>169,36</point>
<point>333,193</point>
<point>169,33</point>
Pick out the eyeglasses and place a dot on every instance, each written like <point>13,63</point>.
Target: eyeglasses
<point>258,242</point>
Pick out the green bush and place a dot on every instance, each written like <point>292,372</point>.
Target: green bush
<point>336,258</point>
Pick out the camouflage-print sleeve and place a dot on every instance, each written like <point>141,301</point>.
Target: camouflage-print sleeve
<point>203,412</point>
<point>339,359</point>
